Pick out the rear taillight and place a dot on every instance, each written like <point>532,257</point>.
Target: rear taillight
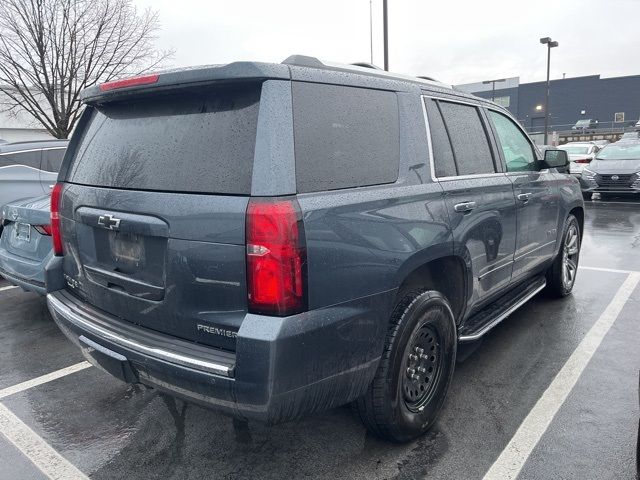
<point>43,229</point>
<point>583,160</point>
<point>56,233</point>
<point>276,257</point>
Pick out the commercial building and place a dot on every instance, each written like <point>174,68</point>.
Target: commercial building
<point>614,102</point>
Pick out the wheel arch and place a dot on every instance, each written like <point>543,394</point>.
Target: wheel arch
<point>578,212</point>
<point>447,274</point>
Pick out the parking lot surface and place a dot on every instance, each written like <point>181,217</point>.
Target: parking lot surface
<point>86,423</point>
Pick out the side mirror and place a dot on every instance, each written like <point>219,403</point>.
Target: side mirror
<point>555,159</point>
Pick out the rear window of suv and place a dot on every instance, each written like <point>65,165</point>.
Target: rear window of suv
<point>344,136</point>
<point>188,141</point>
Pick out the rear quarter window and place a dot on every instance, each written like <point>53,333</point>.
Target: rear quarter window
<point>344,136</point>
<point>198,140</point>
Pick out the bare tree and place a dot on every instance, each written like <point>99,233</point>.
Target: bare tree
<point>50,50</point>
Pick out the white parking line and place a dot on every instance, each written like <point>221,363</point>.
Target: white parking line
<point>516,453</point>
<point>48,461</point>
<point>603,269</point>
<point>2,289</point>
<point>20,387</point>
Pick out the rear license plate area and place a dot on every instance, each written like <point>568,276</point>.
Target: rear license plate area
<point>23,231</point>
<point>127,250</point>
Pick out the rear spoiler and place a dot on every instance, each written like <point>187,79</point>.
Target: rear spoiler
<point>237,71</point>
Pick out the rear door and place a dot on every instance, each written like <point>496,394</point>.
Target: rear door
<point>536,194</point>
<point>154,210</point>
<point>478,196</point>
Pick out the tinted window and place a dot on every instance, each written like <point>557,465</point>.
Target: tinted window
<point>344,136</point>
<point>194,141</point>
<point>52,159</point>
<point>442,153</point>
<point>28,158</point>
<point>517,151</point>
<point>468,138</point>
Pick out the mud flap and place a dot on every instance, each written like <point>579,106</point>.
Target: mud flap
<point>108,360</point>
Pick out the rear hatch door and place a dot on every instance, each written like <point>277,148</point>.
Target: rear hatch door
<point>153,210</point>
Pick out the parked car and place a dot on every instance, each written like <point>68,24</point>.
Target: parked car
<point>245,237</point>
<point>29,169</point>
<point>616,170</point>
<point>633,136</point>
<point>585,125</point>
<point>25,243</point>
<point>580,155</point>
<point>601,143</point>
<point>637,127</point>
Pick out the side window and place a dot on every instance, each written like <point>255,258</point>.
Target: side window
<point>468,138</point>
<point>442,153</point>
<point>517,151</point>
<point>52,159</point>
<point>344,136</point>
<point>29,159</point>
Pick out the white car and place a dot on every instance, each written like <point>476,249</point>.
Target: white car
<point>580,155</point>
<point>29,169</point>
<point>638,126</point>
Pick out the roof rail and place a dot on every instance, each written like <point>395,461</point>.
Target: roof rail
<point>303,61</point>
<point>360,67</point>
<point>366,65</point>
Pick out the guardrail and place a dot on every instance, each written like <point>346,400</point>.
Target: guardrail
<point>563,133</point>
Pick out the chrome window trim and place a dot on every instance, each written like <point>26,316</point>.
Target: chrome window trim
<point>431,159</point>
<point>32,150</point>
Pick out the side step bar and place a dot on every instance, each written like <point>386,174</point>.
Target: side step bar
<point>483,321</point>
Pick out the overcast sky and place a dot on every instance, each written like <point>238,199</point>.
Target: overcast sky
<point>454,41</point>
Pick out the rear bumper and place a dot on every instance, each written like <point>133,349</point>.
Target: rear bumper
<point>282,367</point>
<point>28,284</point>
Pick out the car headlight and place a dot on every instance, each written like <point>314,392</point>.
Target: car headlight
<point>588,173</point>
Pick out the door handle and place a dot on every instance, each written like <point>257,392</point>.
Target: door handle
<point>523,197</point>
<point>464,207</point>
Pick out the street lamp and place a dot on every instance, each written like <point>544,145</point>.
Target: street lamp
<point>550,44</point>
<point>493,86</point>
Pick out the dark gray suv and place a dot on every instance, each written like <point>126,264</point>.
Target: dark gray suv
<point>277,239</point>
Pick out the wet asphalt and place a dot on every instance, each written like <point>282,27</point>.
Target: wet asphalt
<point>110,430</point>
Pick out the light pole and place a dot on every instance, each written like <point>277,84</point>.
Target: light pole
<point>493,86</point>
<point>385,35</point>
<point>371,28</point>
<point>550,44</point>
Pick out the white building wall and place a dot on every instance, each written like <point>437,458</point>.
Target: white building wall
<point>20,127</point>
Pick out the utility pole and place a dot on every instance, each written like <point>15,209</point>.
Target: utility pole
<point>371,28</point>
<point>550,44</point>
<point>385,35</point>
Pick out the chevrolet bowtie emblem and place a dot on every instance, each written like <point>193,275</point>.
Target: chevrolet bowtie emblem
<point>109,222</point>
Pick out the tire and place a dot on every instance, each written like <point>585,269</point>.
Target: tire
<point>400,406</point>
<point>560,282</point>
